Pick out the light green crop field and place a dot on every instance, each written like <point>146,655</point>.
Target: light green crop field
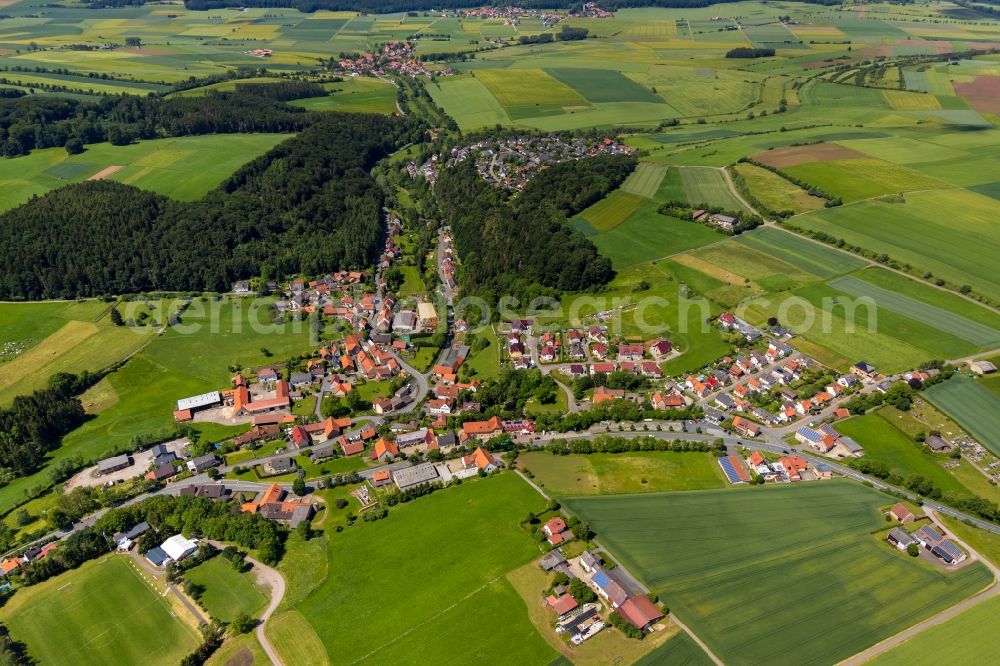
<point>613,473</point>
<point>708,186</point>
<point>680,650</point>
<point>646,235</point>
<point>969,638</point>
<point>227,591</point>
<point>51,337</point>
<point>101,613</point>
<point>808,255</point>
<point>863,178</point>
<point>854,328</point>
<point>885,443</point>
<point>645,180</point>
<point>360,95</point>
<point>973,407</point>
<point>460,585</point>
<point>182,168</point>
<point>610,211</point>
<point>708,562</point>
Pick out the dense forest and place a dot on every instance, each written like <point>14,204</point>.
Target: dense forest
<point>309,205</point>
<point>34,424</point>
<point>40,121</point>
<point>524,246</point>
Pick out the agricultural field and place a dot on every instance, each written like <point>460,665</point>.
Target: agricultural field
<point>972,406</point>
<point>775,192</point>
<point>970,637</point>
<point>41,339</point>
<point>227,592</point>
<point>615,473</point>
<point>707,548</point>
<point>708,186</point>
<point>102,613</point>
<point>360,95</point>
<point>184,168</point>
<point>954,245</point>
<point>461,584</point>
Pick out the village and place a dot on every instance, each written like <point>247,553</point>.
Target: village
<point>511,163</point>
<point>394,57</point>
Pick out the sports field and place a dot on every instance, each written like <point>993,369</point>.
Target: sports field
<point>102,613</point>
<point>974,407</point>
<point>227,592</point>
<point>613,473</point>
<point>708,560</point>
<point>182,168</point>
<point>462,582</point>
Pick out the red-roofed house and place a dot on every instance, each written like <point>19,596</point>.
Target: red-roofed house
<point>640,612</point>
<point>384,450</point>
<point>561,605</point>
<point>482,430</point>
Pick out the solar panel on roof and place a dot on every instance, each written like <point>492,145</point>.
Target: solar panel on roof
<point>730,471</point>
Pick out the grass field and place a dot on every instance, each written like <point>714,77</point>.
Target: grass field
<point>360,95</point>
<point>227,591</point>
<point>709,563</point>
<point>610,211</point>
<point>645,235</point>
<point>182,168</point>
<point>885,443</point>
<point>645,180</point>
<point>484,363</point>
<point>972,406</point>
<point>102,613</point>
<point>461,584</point>
<point>612,473</point>
<point>810,256</point>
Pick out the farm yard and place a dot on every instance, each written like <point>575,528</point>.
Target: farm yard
<point>614,473</point>
<point>460,584</point>
<point>102,613</point>
<point>707,548</point>
<point>973,407</point>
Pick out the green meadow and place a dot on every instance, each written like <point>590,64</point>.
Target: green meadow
<point>227,592</point>
<point>461,584</point>
<point>968,638</point>
<point>708,562</point>
<point>613,473</point>
<point>102,613</point>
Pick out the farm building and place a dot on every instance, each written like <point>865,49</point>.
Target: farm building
<point>640,612</point>
<point>982,367</point>
<point>937,443</point>
<point>418,475</point>
<point>198,402</point>
<point>561,605</point>
<point>109,465</point>
<point>901,514</point>
<point>900,538</point>
<point>734,470</point>
<point>178,547</point>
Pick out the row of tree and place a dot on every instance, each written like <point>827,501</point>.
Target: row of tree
<point>307,206</point>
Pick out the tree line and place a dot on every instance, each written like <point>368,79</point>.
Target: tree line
<point>309,205</point>
<point>523,246</point>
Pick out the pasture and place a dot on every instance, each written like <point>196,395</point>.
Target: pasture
<point>972,406</point>
<point>707,552</point>
<point>615,473</point>
<point>461,584</point>
<point>609,212</point>
<point>645,235</point>
<point>227,592</point>
<point>182,168</point>
<point>102,613</point>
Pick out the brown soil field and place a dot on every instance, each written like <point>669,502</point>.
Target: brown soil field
<point>818,152</point>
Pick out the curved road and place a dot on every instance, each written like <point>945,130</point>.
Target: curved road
<point>268,577</point>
